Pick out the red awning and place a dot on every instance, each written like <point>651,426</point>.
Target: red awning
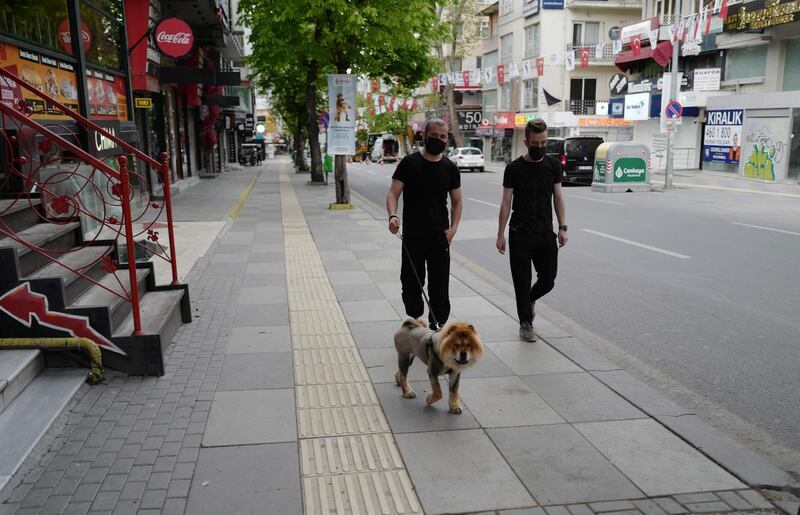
<point>661,54</point>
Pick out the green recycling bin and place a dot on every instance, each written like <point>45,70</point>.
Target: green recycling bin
<point>621,167</point>
<point>327,164</point>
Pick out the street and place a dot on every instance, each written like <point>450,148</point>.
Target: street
<point>693,289</point>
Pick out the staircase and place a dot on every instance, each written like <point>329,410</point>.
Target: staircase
<point>73,264</point>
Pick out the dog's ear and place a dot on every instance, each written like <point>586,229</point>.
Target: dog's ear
<point>472,328</point>
<point>451,329</point>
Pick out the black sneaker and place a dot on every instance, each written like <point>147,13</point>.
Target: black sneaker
<point>435,327</point>
<point>526,332</point>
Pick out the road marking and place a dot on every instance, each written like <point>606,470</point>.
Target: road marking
<point>483,202</point>
<point>737,190</point>
<point>640,245</point>
<point>596,200</point>
<point>237,206</point>
<point>767,228</point>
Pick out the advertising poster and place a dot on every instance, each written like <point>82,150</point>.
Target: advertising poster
<point>341,106</point>
<point>637,106</point>
<point>106,93</point>
<point>723,136</point>
<point>52,77</point>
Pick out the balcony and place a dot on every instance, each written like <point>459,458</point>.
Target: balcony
<point>606,60</point>
<point>605,4</point>
<point>580,106</point>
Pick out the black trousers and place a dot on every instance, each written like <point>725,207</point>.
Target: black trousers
<point>541,249</point>
<point>432,252</point>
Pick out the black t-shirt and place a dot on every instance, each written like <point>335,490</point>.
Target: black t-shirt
<point>425,188</point>
<point>533,184</point>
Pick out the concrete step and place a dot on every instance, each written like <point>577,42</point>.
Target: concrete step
<point>119,281</point>
<point>17,369</point>
<point>87,260</point>
<point>159,309</point>
<point>19,214</point>
<point>52,238</point>
<point>27,419</point>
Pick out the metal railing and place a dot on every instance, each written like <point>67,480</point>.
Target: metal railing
<point>685,159</point>
<point>72,185</point>
<point>580,106</point>
<point>606,58</point>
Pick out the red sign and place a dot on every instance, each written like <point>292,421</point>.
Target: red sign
<point>504,120</point>
<point>374,85</point>
<point>539,66</point>
<point>173,37</point>
<point>435,84</point>
<point>636,45</point>
<point>584,57</point>
<point>465,75</point>
<point>501,73</point>
<point>65,36</point>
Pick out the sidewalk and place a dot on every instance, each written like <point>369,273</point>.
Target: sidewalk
<point>279,397</point>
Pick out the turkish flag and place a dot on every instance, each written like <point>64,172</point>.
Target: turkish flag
<point>369,98</point>
<point>708,22</point>
<point>374,85</point>
<point>436,84</point>
<point>723,11</point>
<point>465,76</point>
<point>636,45</point>
<point>372,110</point>
<point>585,57</point>
<point>380,100</point>
<point>415,105</point>
<point>539,66</point>
<point>501,73</point>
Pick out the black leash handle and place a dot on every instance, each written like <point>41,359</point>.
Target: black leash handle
<point>419,281</point>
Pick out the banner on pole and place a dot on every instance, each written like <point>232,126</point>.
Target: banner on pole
<point>341,105</point>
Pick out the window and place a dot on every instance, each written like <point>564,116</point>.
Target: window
<point>106,36</point>
<point>505,98</point>
<point>483,28</point>
<point>490,61</point>
<point>532,41</point>
<point>582,95</point>
<point>489,103</point>
<point>791,74</point>
<point>506,6</point>
<point>530,94</point>
<point>506,49</point>
<point>585,33</point>
<point>36,22</point>
<point>742,63</point>
<point>470,152</point>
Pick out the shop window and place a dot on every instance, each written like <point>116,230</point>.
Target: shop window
<point>743,63</point>
<point>791,74</point>
<point>106,45</point>
<point>35,22</point>
<point>530,99</point>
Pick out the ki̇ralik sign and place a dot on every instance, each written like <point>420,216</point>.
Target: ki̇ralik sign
<point>761,14</point>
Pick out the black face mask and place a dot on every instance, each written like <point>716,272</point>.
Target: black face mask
<point>435,145</point>
<point>536,153</point>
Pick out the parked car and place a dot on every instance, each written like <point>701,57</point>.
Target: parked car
<point>385,147</point>
<point>467,158</point>
<point>576,156</point>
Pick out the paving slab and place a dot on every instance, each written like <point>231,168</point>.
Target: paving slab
<point>255,479</point>
<point>656,460</point>
<point>581,354</point>
<point>460,471</point>
<point>640,394</point>
<point>504,402</point>
<point>355,292</point>
<point>464,308</point>
<point>263,295</point>
<point>249,315</point>
<point>262,371</point>
<point>498,328</point>
<point>579,397</point>
<point>530,358</point>
<point>268,338</point>
<point>414,415</point>
<point>368,335</point>
<point>349,278</point>
<point>251,417</point>
<point>369,311</point>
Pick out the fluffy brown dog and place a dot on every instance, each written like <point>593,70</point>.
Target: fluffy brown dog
<point>455,348</point>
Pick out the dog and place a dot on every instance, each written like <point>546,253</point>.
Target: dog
<point>450,351</point>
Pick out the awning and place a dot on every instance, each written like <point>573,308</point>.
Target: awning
<point>661,54</point>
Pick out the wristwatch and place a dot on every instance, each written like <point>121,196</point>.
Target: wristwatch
<point>562,228</point>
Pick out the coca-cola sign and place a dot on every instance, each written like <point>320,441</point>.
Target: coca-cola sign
<point>173,37</point>
<point>65,36</point>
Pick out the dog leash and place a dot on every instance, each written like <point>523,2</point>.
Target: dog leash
<point>419,281</point>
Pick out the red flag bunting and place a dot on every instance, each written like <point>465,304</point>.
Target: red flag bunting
<point>501,73</point>
<point>539,66</point>
<point>636,45</point>
<point>584,61</point>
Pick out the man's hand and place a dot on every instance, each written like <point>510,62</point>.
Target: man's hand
<point>450,234</point>
<point>394,225</point>
<point>562,237</point>
<point>501,243</point>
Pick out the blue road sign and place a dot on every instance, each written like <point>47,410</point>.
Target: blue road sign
<point>674,110</point>
<point>324,119</point>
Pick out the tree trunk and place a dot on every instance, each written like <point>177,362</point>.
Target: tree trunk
<point>312,124</point>
<point>455,130</point>
<point>299,161</point>
<point>340,177</point>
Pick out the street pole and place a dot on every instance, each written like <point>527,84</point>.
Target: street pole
<point>673,94</point>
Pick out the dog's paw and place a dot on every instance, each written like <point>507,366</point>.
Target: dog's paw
<point>431,398</point>
<point>455,410</point>
<point>411,394</point>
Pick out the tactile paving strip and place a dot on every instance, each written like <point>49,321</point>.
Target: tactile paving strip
<point>350,463</point>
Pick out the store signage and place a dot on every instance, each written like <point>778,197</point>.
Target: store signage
<point>173,37</point>
<point>722,136</point>
<point>601,108</point>
<point>761,14</point>
<point>552,4</point>
<point>637,106</point>
<point>504,120</point>
<point>618,84</point>
<point>65,36</point>
<point>641,28</point>
<point>707,79</point>
<point>469,120</point>
<point>143,102</point>
<point>617,107</point>
<point>107,96</point>
<point>530,7</point>
<point>630,169</point>
<point>602,121</point>
<point>647,85</point>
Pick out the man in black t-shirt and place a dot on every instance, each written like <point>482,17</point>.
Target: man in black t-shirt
<point>425,178</point>
<point>530,183</point>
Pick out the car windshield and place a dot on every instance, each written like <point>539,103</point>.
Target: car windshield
<point>582,147</point>
<point>470,151</point>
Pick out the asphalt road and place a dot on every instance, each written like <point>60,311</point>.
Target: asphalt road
<point>700,286</point>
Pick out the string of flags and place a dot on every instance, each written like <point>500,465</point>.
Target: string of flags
<point>378,104</point>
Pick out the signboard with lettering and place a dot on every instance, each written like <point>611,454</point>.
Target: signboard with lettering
<point>723,136</point>
<point>107,97</point>
<point>143,102</point>
<point>637,106</point>
<point>552,4</point>
<point>760,14</point>
<point>173,37</point>
<point>469,120</point>
<point>530,7</point>
<point>707,79</point>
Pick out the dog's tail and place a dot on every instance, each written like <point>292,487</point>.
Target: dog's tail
<point>412,323</point>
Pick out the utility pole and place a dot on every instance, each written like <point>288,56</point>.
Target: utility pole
<point>673,95</point>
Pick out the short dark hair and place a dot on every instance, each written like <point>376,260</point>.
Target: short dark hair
<point>535,126</point>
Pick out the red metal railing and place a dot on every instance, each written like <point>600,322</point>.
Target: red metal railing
<point>42,159</point>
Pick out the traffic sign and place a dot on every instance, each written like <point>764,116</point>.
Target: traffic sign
<point>324,119</point>
<point>674,110</point>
